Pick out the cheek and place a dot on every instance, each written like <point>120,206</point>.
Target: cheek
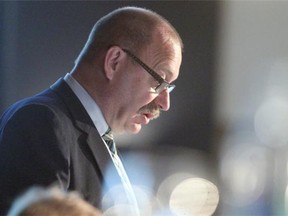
<point>140,95</point>
<point>144,99</point>
<point>135,102</point>
<point>137,93</point>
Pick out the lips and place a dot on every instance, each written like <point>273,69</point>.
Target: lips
<point>146,119</point>
<point>147,113</point>
<point>150,116</point>
<point>143,118</point>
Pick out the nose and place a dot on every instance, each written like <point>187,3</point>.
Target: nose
<point>163,100</point>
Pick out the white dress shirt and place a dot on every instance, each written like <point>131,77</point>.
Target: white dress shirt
<point>89,104</point>
<point>99,121</point>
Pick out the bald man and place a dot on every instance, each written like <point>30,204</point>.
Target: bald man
<point>121,80</point>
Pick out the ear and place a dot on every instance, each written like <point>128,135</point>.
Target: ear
<point>112,61</point>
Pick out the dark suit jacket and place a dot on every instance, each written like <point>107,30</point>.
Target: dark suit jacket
<point>50,138</point>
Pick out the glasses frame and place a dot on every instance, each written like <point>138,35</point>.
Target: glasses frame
<point>163,84</point>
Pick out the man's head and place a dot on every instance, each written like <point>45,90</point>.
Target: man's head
<point>131,53</point>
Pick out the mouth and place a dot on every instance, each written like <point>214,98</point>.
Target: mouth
<point>147,113</point>
<point>146,118</point>
<point>149,116</point>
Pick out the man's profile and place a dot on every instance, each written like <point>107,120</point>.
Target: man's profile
<point>122,79</point>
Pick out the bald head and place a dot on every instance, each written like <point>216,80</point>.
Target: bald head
<point>129,27</point>
<point>114,80</point>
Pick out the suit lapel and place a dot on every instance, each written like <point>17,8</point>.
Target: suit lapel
<point>84,123</point>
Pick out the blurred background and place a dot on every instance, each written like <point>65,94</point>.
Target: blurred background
<point>222,147</point>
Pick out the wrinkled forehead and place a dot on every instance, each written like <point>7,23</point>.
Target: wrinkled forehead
<point>173,63</point>
<point>165,59</point>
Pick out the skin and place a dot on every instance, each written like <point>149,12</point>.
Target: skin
<point>152,103</point>
<point>124,90</point>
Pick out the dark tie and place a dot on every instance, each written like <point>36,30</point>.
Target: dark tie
<point>108,137</point>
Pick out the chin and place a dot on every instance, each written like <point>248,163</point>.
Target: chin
<point>134,128</point>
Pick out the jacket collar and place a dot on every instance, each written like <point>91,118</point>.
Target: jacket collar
<point>84,123</point>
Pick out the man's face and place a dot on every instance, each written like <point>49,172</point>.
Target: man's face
<point>141,104</point>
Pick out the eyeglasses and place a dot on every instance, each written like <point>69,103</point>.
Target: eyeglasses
<point>163,84</point>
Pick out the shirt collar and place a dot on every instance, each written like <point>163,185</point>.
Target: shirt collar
<point>89,104</point>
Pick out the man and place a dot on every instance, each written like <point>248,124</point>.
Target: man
<point>57,136</point>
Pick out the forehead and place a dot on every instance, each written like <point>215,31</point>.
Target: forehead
<point>165,60</point>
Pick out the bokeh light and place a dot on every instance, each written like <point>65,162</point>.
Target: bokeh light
<point>194,196</point>
<point>271,122</point>
<point>243,169</point>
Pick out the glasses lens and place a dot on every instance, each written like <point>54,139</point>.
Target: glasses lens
<point>164,85</point>
<point>171,87</point>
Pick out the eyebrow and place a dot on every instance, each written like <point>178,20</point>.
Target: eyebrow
<point>167,71</point>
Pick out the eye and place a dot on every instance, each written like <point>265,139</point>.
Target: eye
<point>154,88</point>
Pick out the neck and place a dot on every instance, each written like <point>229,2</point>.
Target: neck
<point>97,87</point>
